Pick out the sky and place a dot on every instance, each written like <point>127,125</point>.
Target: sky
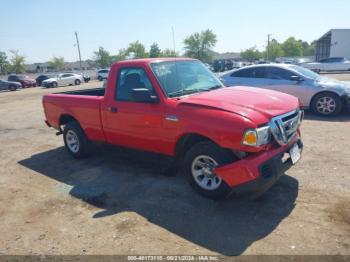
<point>41,29</point>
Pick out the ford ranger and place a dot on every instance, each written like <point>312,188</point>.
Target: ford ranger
<point>227,140</point>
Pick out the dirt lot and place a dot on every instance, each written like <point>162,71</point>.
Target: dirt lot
<point>118,201</point>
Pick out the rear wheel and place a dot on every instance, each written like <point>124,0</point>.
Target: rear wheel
<point>199,163</point>
<point>12,88</point>
<point>99,78</point>
<point>75,140</point>
<point>327,104</point>
<point>77,82</point>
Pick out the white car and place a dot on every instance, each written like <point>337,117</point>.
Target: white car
<point>329,64</point>
<point>102,74</point>
<point>64,79</point>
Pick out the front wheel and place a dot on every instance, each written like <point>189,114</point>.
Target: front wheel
<point>12,88</point>
<point>327,104</point>
<point>77,82</point>
<point>54,84</point>
<point>75,140</point>
<point>199,163</point>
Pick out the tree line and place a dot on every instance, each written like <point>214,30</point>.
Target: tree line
<point>291,47</point>
<point>198,45</point>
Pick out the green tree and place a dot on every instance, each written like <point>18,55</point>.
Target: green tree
<point>292,47</point>
<point>56,62</point>
<point>122,54</point>
<point>154,50</point>
<point>199,45</point>
<point>309,49</point>
<point>102,57</point>
<point>17,62</point>
<point>4,63</point>
<point>136,50</point>
<point>251,54</point>
<point>275,50</point>
<point>169,53</point>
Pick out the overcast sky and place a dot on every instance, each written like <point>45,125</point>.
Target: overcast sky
<point>40,29</point>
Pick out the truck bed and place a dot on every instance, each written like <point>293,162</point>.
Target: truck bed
<point>82,105</point>
<point>86,92</point>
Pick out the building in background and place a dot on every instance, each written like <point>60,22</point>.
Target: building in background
<point>334,43</point>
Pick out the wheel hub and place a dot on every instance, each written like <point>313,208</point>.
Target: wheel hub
<point>203,172</point>
<point>326,105</point>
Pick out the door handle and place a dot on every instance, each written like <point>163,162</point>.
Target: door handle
<point>112,109</point>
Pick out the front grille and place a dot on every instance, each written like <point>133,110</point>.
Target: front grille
<point>284,127</point>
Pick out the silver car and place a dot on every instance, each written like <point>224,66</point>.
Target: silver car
<point>323,95</point>
<point>9,85</point>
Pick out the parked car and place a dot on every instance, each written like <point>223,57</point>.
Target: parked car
<point>64,79</point>
<point>9,85</point>
<point>24,80</point>
<point>41,78</point>
<point>102,74</point>
<point>324,96</point>
<point>329,64</point>
<point>226,139</point>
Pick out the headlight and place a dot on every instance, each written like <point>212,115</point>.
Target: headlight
<point>257,137</point>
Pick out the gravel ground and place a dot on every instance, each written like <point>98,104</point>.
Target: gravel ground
<point>118,202</point>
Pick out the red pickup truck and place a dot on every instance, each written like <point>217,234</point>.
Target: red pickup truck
<point>226,139</point>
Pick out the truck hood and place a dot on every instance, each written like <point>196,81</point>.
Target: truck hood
<point>258,105</point>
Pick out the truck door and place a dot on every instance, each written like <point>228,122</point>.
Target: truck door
<point>129,123</point>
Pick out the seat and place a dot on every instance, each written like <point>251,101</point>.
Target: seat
<point>132,81</point>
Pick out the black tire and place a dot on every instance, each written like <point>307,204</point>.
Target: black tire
<point>12,88</point>
<point>214,152</point>
<point>83,149</point>
<point>334,101</point>
<point>99,78</point>
<point>77,82</point>
<point>54,84</point>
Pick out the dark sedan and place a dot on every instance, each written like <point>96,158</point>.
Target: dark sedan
<point>24,80</point>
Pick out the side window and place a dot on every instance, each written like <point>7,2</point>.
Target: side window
<point>259,72</point>
<point>278,73</point>
<point>256,72</point>
<point>244,73</point>
<point>66,75</point>
<point>129,79</point>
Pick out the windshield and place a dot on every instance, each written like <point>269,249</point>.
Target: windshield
<point>178,78</point>
<point>305,72</point>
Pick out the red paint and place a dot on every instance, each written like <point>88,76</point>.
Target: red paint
<point>221,115</point>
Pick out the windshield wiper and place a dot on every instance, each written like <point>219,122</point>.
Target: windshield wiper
<point>183,92</point>
<point>191,91</point>
<point>214,87</point>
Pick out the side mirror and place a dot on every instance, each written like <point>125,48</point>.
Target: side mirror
<point>143,95</point>
<point>296,78</point>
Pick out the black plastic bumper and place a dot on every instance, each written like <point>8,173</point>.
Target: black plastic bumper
<point>270,172</point>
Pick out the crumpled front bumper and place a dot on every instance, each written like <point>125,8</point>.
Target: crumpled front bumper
<point>258,172</point>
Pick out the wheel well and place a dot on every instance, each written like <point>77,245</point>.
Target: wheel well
<point>322,92</point>
<point>64,119</point>
<point>189,140</point>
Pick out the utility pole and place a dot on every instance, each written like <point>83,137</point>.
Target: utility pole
<point>76,36</point>
<point>268,47</point>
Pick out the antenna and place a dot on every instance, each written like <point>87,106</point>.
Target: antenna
<point>176,73</point>
<point>172,29</point>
